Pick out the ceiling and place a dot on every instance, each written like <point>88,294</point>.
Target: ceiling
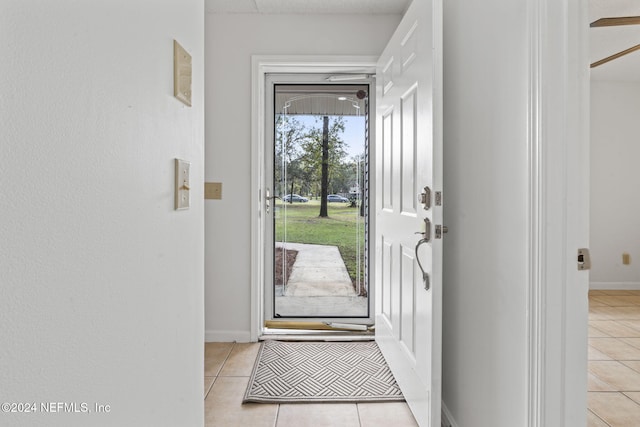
<point>606,41</point>
<point>308,7</point>
<point>603,41</point>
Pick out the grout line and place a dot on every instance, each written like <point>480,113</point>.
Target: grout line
<point>633,369</point>
<point>598,417</point>
<point>225,359</point>
<point>210,387</point>
<point>275,422</point>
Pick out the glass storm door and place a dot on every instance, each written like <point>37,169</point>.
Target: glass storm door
<point>319,199</point>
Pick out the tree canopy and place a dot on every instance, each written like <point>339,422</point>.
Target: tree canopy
<point>299,157</point>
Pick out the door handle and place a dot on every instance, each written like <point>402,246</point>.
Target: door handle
<point>426,232</point>
<point>268,198</point>
<point>426,237</point>
<point>425,275</point>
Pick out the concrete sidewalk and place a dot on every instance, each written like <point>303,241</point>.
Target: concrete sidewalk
<point>319,285</point>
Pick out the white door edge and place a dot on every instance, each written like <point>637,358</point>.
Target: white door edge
<point>260,66</point>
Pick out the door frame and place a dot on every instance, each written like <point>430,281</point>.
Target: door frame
<point>273,80</point>
<point>261,65</point>
<point>558,145</point>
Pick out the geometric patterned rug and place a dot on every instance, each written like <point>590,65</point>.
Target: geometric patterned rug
<point>302,372</point>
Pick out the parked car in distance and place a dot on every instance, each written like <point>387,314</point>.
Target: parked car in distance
<point>294,198</point>
<point>337,198</point>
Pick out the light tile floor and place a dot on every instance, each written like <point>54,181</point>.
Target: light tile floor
<point>227,370</point>
<point>614,359</point>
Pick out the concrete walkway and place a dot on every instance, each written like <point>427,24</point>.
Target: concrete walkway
<point>319,285</point>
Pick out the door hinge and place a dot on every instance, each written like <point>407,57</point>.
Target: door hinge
<point>584,259</point>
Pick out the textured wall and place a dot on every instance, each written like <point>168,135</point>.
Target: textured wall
<point>101,280</point>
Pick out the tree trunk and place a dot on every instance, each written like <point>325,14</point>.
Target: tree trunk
<point>325,167</point>
<point>291,193</point>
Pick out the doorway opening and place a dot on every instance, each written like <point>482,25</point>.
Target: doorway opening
<point>317,186</point>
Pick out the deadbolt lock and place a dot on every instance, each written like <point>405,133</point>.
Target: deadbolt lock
<point>425,198</point>
<point>440,230</point>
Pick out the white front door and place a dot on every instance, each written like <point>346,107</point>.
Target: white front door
<point>409,158</point>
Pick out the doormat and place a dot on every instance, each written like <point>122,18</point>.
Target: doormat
<point>303,372</point>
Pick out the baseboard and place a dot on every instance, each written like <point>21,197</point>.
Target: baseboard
<point>227,336</point>
<point>447,418</point>
<point>626,286</point>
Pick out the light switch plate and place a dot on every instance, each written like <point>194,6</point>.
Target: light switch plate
<point>183,196</point>
<point>181,74</point>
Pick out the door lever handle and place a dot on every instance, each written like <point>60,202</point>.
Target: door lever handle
<point>425,275</point>
<point>268,198</point>
<point>426,237</point>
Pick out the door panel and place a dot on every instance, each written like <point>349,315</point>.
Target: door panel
<point>407,306</point>
<point>385,297</point>
<point>387,159</point>
<point>409,147</point>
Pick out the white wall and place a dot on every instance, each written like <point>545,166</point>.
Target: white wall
<point>230,42</point>
<point>101,280</point>
<point>615,176</point>
<point>485,207</point>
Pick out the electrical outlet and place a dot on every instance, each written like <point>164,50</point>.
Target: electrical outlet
<point>183,197</point>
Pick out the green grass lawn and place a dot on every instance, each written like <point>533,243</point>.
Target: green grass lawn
<point>339,229</point>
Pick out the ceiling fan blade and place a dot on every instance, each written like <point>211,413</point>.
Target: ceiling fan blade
<point>616,56</point>
<point>613,22</point>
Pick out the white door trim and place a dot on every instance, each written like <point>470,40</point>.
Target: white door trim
<point>260,66</point>
<point>558,140</point>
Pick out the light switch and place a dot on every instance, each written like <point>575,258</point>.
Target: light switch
<point>213,190</point>
<point>626,259</point>
<point>182,184</point>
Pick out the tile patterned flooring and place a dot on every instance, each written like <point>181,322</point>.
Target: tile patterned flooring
<point>227,370</point>
<point>613,387</point>
<point>614,359</point>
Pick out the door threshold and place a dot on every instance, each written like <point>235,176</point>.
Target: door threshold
<point>313,335</point>
<point>314,331</point>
